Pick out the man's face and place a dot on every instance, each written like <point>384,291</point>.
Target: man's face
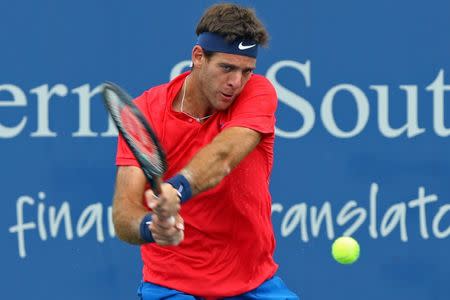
<point>223,76</point>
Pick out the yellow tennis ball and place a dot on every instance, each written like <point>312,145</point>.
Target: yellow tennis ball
<point>345,250</point>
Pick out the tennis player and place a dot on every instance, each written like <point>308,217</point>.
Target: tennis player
<point>216,124</point>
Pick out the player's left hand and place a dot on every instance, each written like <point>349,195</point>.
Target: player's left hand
<point>167,231</point>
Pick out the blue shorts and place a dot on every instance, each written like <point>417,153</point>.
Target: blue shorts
<point>274,288</point>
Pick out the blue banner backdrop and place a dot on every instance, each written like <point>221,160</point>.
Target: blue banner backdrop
<point>363,128</point>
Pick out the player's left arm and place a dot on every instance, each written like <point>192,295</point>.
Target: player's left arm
<point>216,160</point>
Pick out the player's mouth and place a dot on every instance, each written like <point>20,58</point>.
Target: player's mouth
<point>227,97</point>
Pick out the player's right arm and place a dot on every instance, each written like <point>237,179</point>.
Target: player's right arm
<point>129,210</point>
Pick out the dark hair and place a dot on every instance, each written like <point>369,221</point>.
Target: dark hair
<point>233,22</point>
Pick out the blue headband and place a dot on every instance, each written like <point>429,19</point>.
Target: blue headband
<point>216,43</point>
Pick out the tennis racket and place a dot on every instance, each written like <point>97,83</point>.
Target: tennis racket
<point>137,133</point>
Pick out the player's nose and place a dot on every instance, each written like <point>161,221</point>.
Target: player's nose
<point>235,80</point>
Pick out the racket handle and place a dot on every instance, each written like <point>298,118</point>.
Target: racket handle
<point>156,185</point>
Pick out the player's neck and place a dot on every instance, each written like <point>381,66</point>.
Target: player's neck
<point>191,101</point>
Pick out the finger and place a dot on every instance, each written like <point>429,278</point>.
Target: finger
<point>162,207</point>
<point>170,241</point>
<point>161,223</point>
<point>171,195</point>
<point>168,208</point>
<point>179,226</point>
<point>161,211</point>
<point>162,242</point>
<point>181,236</point>
<point>168,234</point>
<point>178,238</point>
<point>169,237</point>
<point>163,228</point>
<point>151,199</point>
<point>179,223</point>
<point>166,211</point>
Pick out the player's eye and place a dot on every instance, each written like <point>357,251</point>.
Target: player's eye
<point>226,68</point>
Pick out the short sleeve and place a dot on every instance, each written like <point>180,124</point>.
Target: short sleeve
<point>255,107</point>
<point>124,155</point>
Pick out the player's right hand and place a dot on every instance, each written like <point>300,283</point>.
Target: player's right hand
<point>167,231</point>
<point>167,204</point>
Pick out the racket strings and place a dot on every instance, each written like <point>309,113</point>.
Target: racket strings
<point>135,131</point>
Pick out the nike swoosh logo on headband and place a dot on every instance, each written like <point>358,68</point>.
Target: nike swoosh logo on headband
<point>243,47</point>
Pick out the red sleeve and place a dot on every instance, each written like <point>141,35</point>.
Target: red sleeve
<point>124,156</point>
<point>255,107</point>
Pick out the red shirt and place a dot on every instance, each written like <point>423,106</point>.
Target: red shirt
<point>229,241</point>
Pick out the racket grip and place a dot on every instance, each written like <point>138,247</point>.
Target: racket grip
<point>156,185</point>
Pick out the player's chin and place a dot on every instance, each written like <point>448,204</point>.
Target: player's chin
<point>220,105</point>
<point>224,102</point>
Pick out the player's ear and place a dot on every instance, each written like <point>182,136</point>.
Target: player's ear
<point>198,56</point>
